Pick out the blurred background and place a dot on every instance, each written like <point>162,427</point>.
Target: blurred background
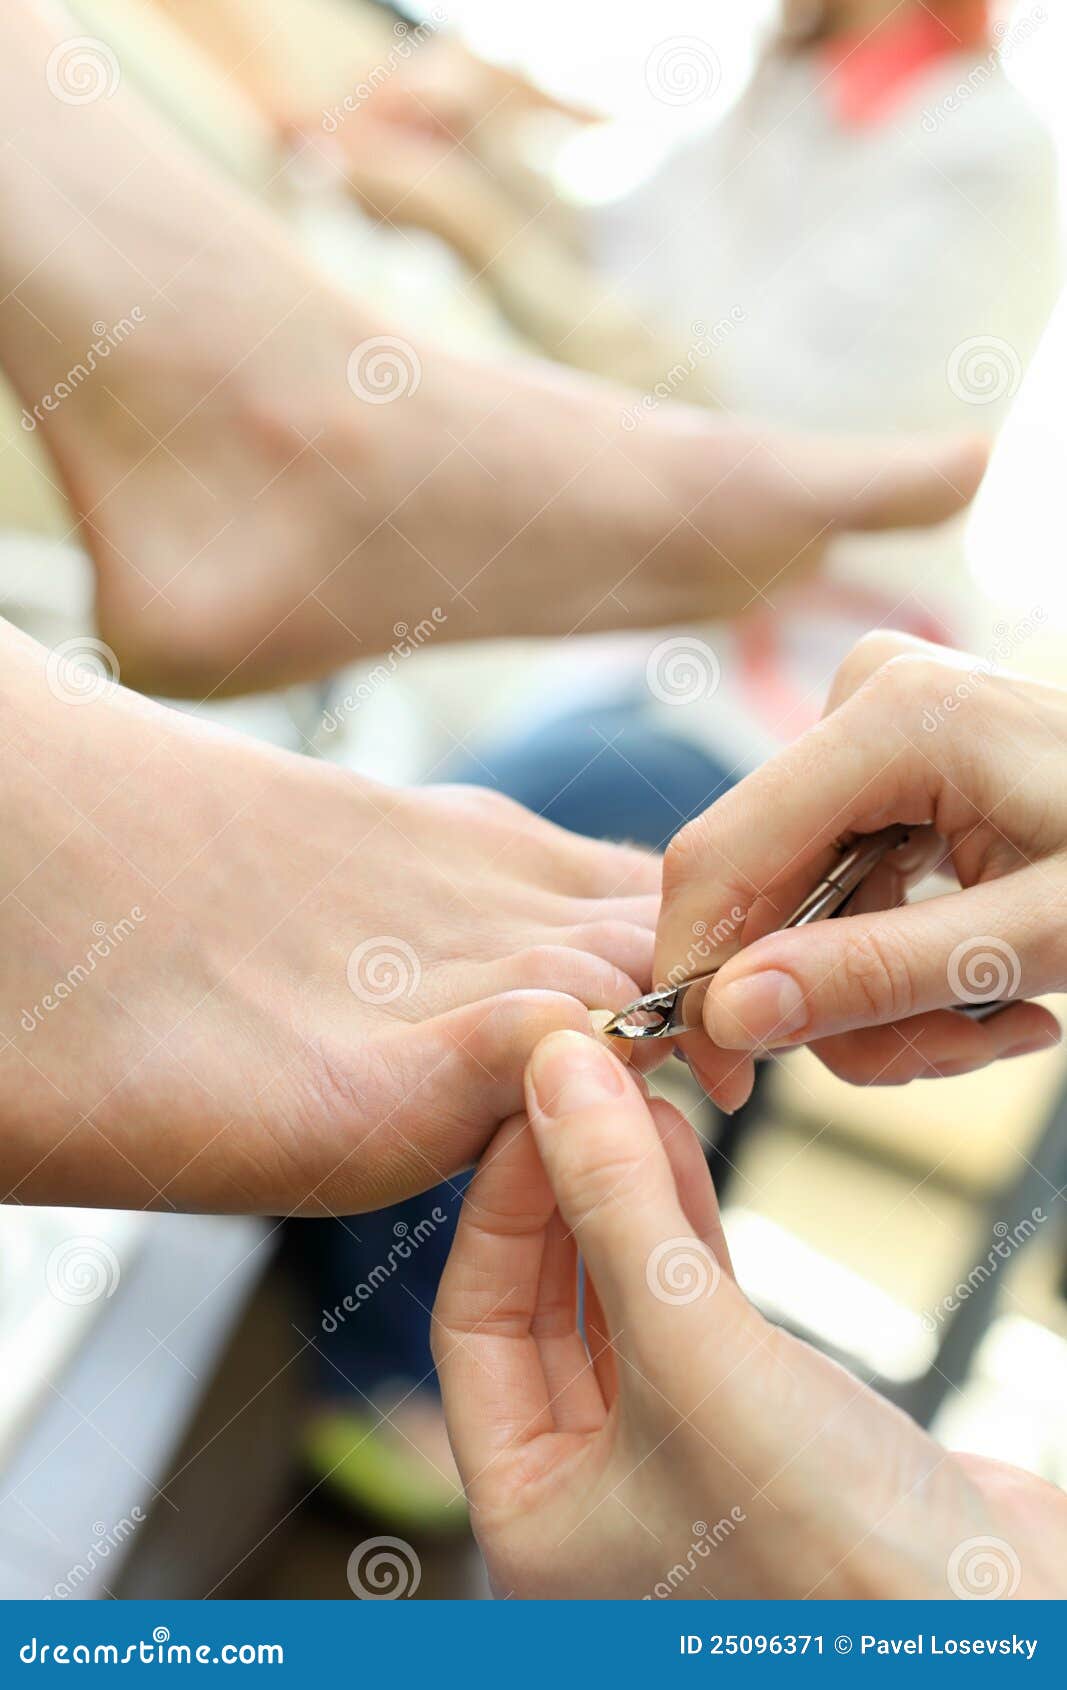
<point>843,217</point>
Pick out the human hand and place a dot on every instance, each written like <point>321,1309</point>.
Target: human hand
<point>237,979</point>
<point>683,1446</point>
<point>914,734</point>
<point>446,90</point>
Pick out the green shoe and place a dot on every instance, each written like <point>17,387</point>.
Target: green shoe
<point>363,1460</point>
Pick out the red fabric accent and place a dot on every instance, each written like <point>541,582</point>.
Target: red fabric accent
<point>780,699</point>
<point>871,70</point>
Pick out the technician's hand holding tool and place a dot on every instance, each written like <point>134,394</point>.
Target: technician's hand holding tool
<point>974,765</point>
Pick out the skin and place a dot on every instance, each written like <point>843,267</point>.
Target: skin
<point>239,1039</point>
<point>917,734</point>
<point>303,521</point>
<point>682,1445</point>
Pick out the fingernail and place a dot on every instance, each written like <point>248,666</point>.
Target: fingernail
<point>761,1009</point>
<point>568,1072</point>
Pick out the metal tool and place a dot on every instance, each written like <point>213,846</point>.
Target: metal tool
<point>674,1010</point>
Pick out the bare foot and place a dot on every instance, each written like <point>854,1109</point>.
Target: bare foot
<point>268,482</point>
<point>239,979</point>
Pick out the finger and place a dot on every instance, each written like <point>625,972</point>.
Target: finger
<point>616,1190</point>
<point>599,1339</point>
<point>939,1045</point>
<point>872,653</point>
<point>488,1362</point>
<point>573,1392</point>
<point>692,1179</point>
<point>987,943</point>
<point>726,1075</point>
<point>737,870</point>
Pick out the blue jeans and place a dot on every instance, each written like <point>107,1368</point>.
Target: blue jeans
<point>609,774</point>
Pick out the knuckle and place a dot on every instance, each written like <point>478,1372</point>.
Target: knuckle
<point>690,853</point>
<point>603,1181</point>
<point>869,654</point>
<point>910,676</point>
<point>875,979</point>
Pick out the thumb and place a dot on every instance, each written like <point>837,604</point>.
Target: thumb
<point>988,943</point>
<point>611,1173</point>
<point>882,484</point>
